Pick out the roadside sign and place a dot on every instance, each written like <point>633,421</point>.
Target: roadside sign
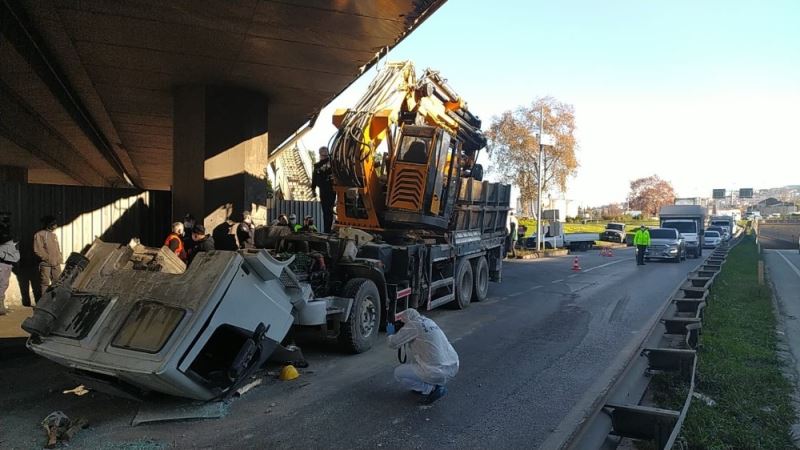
<point>719,193</point>
<point>746,193</point>
<point>547,139</point>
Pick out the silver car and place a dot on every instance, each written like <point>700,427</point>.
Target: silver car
<point>666,243</point>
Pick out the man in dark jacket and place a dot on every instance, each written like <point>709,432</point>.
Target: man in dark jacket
<point>245,232</point>
<point>322,178</point>
<point>188,224</point>
<point>202,242</point>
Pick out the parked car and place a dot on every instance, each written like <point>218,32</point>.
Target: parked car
<point>717,228</point>
<point>666,243</point>
<point>712,240</point>
<point>724,232</point>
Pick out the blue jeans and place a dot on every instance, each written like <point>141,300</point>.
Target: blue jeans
<point>408,378</point>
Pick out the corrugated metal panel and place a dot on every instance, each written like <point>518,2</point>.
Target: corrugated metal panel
<point>300,208</point>
<point>86,213</point>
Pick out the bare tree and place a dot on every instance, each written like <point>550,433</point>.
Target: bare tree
<point>649,194</point>
<point>514,146</point>
<point>612,212</point>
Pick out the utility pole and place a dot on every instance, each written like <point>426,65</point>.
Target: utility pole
<point>539,245</point>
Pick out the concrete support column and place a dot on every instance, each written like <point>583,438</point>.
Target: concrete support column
<point>220,153</point>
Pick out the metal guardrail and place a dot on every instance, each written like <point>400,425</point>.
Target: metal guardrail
<point>669,347</point>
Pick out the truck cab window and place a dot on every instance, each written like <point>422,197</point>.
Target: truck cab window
<point>414,150</point>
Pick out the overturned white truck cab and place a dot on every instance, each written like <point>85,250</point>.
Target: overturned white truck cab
<point>132,318</point>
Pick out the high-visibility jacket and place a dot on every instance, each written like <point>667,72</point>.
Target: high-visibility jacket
<point>179,250</point>
<point>642,237</point>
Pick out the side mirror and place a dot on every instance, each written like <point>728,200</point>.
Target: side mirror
<point>477,172</point>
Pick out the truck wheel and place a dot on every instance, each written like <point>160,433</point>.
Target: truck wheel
<point>463,284</point>
<point>361,329</point>
<point>480,287</point>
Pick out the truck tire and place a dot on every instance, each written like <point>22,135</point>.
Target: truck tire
<point>463,284</point>
<point>361,329</point>
<point>480,286</point>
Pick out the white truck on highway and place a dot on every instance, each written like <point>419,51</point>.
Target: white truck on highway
<point>554,237</point>
<point>689,220</point>
<point>727,223</point>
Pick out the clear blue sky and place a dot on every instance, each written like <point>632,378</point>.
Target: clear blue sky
<point>703,93</point>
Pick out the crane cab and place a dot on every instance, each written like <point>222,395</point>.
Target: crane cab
<point>423,178</point>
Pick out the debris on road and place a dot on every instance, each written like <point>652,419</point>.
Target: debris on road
<point>59,427</point>
<point>288,373</point>
<point>172,410</point>
<point>79,391</point>
<point>247,387</point>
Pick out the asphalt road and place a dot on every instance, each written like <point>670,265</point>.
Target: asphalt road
<point>783,272</point>
<point>531,355</point>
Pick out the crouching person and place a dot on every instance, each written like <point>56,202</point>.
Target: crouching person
<point>430,359</point>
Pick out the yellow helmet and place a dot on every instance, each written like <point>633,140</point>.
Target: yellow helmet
<point>288,373</point>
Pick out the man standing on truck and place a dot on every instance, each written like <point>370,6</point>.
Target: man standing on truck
<point>322,178</point>
<point>432,361</point>
<point>641,240</point>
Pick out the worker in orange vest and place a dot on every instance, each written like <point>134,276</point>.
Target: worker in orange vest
<point>175,242</point>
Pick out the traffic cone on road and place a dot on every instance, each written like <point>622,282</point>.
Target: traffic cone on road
<point>576,266</point>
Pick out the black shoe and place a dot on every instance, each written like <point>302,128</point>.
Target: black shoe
<point>438,392</point>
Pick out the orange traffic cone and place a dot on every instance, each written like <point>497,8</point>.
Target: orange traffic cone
<point>576,266</point>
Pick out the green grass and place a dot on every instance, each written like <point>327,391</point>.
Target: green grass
<point>738,366</point>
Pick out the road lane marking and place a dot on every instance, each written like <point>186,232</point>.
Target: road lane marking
<point>516,294</point>
<point>607,264</point>
<point>556,281</point>
<point>791,264</point>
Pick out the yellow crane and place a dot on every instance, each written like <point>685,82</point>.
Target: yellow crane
<point>432,141</point>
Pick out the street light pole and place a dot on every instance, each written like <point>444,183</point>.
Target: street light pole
<point>539,245</point>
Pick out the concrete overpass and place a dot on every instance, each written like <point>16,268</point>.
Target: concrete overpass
<point>187,96</point>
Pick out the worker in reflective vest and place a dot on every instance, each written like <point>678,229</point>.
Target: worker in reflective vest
<point>175,242</point>
<point>641,240</point>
